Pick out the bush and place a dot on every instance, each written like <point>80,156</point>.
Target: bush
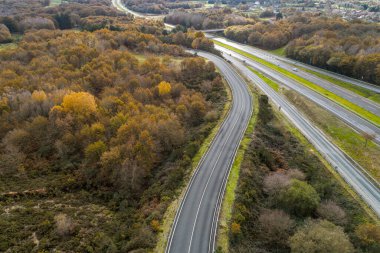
<point>300,198</point>
<point>330,211</point>
<point>276,226</point>
<point>369,235</point>
<point>64,224</point>
<point>5,35</point>
<point>274,183</point>
<point>320,236</point>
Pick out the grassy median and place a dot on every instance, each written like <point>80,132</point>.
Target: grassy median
<point>341,101</point>
<point>356,89</point>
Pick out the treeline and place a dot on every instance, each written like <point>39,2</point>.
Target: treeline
<point>108,136</point>
<point>287,201</point>
<point>349,48</point>
<point>32,15</point>
<point>207,19</point>
<point>159,6</point>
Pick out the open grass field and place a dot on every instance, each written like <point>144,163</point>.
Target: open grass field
<point>341,101</point>
<point>279,51</point>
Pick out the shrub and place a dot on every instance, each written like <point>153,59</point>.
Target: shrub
<point>276,226</point>
<point>330,211</point>
<point>369,235</point>
<point>300,198</point>
<point>320,236</point>
<point>5,35</point>
<point>274,183</point>
<point>64,224</point>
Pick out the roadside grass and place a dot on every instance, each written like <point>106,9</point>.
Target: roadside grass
<point>170,213</point>
<point>269,81</point>
<point>358,90</point>
<point>351,142</point>
<point>279,51</point>
<point>340,134</point>
<point>341,101</point>
<point>350,192</point>
<point>230,193</point>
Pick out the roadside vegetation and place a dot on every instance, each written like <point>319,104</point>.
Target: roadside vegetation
<point>269,81</point>
<point>358,90</point>
<point>233,179</point>
<point>170,213</point>
<point>94,142</point>
<point>357,146</point>
<point>340,133</point>
<point>287,200</point>
<point>343,102</point>
<point>279,51</point>
<point>347,47</point>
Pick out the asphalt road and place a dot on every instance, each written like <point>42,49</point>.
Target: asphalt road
<point>350,172</point>
<point>195,225</point>
<point>289,65</point>
<point>352,119</point>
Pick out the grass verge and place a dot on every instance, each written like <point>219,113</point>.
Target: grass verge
<point>351,142</point>
<point>357,89</point>
<point>279,51</point>
<point>170,213</point>
<point>229,196</point>
<point>341,101</point>
<point>269,81</point>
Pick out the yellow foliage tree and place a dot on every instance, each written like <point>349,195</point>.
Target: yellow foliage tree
<point>155,224</point>
<point>39,96</point>
<point>235,228</point>
<point>82,103</point>
<point>164,88</point>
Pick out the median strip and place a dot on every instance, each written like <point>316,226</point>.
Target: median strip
<point>341,101</point>
<point>356,89</point>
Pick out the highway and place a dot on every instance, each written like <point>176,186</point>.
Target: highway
<point>289,65</point>
<point>356,122</point>
<point>195,224</point>
<point>342,164</point>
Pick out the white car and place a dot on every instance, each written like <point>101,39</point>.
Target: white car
<point>295,69</point>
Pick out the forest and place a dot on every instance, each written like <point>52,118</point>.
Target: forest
<point>349,48</point>
<point>159,6</point>
<point>287,201</point>
<point>20,17</point>
<point>208,18</point>
<point>98,130</point>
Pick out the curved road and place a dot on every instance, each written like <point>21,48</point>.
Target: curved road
<point>195,224</point>
<point>342,164</point>
<point>352,119</point>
